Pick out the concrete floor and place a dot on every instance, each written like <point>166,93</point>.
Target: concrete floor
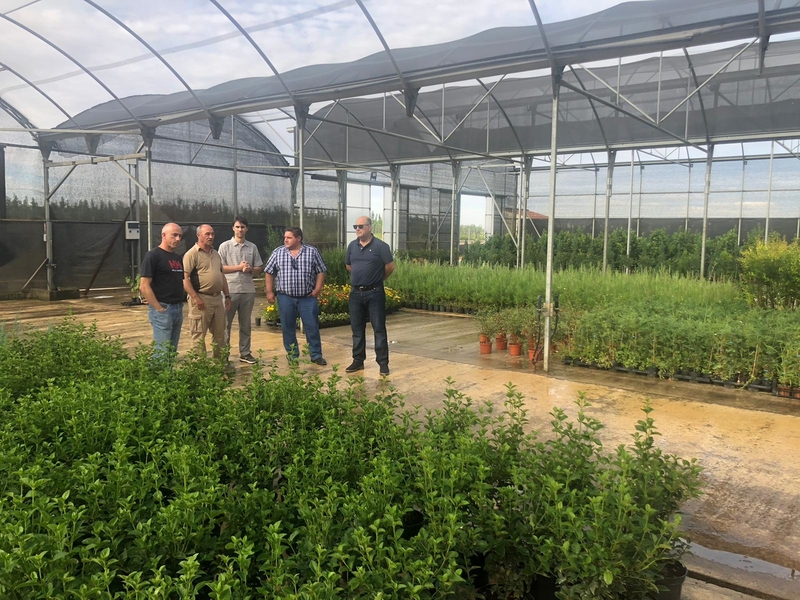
<point>747,442</point>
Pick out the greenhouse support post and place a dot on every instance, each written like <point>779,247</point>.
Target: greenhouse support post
<point>48,223</point>
<point>639,209</point>
<point>630,208</point>
<point>688,192</point>
<point>594,205</point>
<point>706,192</point>
<point>341,208</point>
<point>301,112</point>
<point>527,161</point>
<point>235,168</point>
<point>612,157</point>
<point>548,278</point>
<point>148,155</point>
<point>3,213</point>
<point>741,204</point>
<point>769,190</point>
<point>453,195</point>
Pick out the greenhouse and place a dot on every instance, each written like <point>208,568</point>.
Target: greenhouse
<point>632,175</point>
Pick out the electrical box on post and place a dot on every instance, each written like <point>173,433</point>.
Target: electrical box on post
<point>131,230</point>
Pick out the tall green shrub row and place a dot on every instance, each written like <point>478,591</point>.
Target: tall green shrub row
<point>771,273</point>
<point>676,253</point>
<point>127,482</point>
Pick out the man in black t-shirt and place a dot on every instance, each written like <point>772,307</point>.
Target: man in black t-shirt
<point>162,287</point>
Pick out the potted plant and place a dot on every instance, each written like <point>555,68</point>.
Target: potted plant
<point>514,325</point>
<point>487,323</point>
<point>501,339</point>
<point>135,283</point>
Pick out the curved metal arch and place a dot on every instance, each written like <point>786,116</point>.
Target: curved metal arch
<point>69,57</point>
<point>257,48</point>
<point>16,115</point>
<point>258,133</point>
<point>141,40</point>
<point>505,116</point>
<point>407,89</point>
<point>41,91</point>
<point>699,94</point>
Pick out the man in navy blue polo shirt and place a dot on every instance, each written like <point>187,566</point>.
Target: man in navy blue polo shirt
<point>296,273</point>
<point>369,261</point>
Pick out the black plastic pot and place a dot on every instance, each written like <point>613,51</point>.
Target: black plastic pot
<point>543,588</point>
<point>672,581</point>
<point>567,360</point>
<point>413,521</point>
<point>478,575</point>
<point>652,371</point>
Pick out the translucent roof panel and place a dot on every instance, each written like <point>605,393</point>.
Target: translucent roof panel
<point>114,65</point>
<point>515,118</point>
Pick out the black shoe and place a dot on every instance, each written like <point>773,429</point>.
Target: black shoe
<point>384,370</point>
<point>319,361</point>
<point>248,358</point>
<point>357,365</point>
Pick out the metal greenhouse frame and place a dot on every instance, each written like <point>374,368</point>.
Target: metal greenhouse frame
<point>541,92</point>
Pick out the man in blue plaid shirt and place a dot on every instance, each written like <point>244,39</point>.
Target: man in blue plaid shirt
<point>295,274</point>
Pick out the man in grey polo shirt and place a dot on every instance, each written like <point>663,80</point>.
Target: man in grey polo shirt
<point>369,261</point>
<point>241,262</point>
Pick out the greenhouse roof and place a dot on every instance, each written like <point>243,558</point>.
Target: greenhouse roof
<point>81,66</point>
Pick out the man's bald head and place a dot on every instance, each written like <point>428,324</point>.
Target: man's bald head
<point>171,235</point>
<point>205,236</point>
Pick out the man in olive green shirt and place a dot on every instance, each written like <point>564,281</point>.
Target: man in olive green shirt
<point>204,282</point>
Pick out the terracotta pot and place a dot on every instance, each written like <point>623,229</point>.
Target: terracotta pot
<point>486,347</point>
<point>485,339</point>
<point>502,342</point>
<point>534,355</point>
<point>515,349</point>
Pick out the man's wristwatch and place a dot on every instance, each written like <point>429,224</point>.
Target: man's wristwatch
<point>227,297</point>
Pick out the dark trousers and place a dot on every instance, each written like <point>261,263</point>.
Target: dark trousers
<point>370,303</point>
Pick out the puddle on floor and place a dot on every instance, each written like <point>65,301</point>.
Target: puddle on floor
<point>745,563</point>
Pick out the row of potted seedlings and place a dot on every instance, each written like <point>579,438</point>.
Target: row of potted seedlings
<point>512,329</point>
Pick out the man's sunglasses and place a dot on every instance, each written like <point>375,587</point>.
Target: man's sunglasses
<point>359,226</point>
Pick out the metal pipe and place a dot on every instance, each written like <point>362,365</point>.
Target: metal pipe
<point>688,195</point>
<point>301,177</point>
<point>148,153</point>
<point>630,211</point>
<point>741,206</point>
<point>769,190</point>
<point>48,228</point>
<point>706,192</point>
<point>235,165</point>
<point>612,157</point>
<point>456,170</point>
<point>526,182</point>
<point>548,278</point>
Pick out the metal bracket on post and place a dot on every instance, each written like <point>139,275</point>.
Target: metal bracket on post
<point>92,141</point>
<point>301,114</point>
<point>216,124</point>
<point>45,148</point>
<point>148,136</point>
<point>410,94</point>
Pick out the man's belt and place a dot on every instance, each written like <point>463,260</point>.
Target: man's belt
<point>365,288</point>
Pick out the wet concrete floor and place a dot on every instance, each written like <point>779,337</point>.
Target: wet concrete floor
<point>747,442</point>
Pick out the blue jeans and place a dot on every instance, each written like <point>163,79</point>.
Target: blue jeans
<point>166,328</point>
<point>372,303</point>
<point>308,310</point>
